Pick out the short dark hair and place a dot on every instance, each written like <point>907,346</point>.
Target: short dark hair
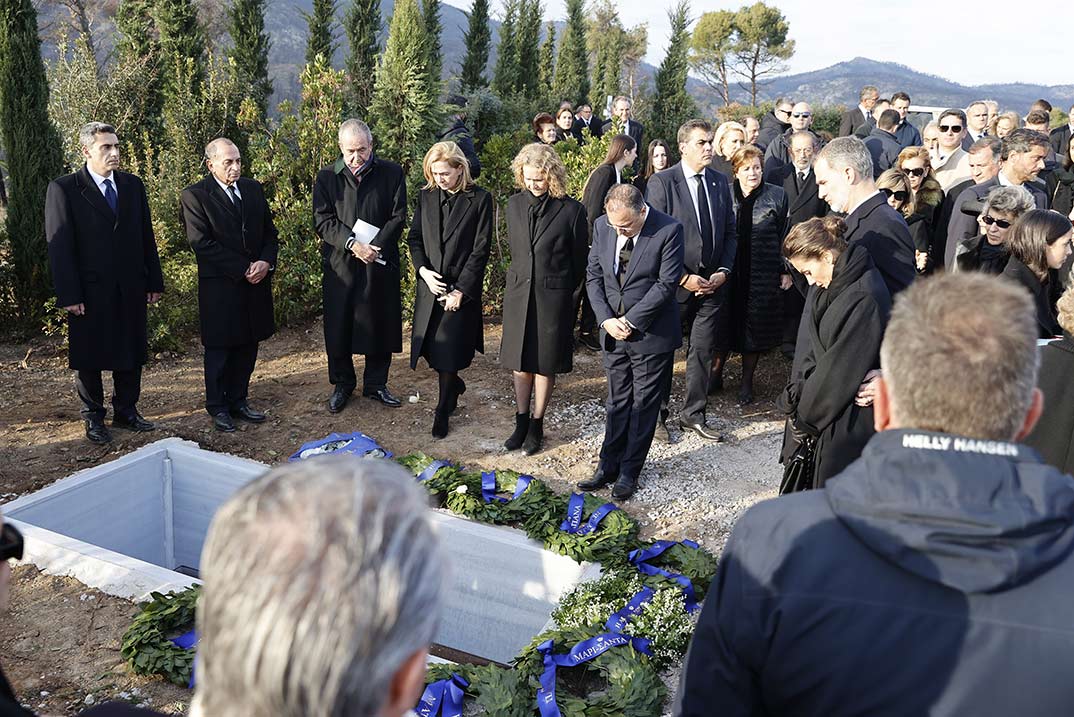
<point>1042,105</point>
<point>888,119</point>
<point>689,126</point>
<point>541,119</point>
<point>1038,117</point>
<point>899,96</point>
<point>1022,140</point>
<point>957,113</point>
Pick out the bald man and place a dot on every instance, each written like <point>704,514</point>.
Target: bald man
<point>229,225</point>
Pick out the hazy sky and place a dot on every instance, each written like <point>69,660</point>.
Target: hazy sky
<point>909,32</point>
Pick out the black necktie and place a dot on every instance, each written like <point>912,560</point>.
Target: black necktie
<point>705,217</point>
<point>235,198</point>
<point>801,180</point>
<point>110,195</point>
<point>624,259</point>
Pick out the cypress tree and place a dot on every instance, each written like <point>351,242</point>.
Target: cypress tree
<point>478,40</point>
<point>137,39</point>
<point>431,11</point>
<point>34,157</point>
<point>505,76</point>
<point>320,39</point>
<point>361,25</point>
<point>547,67</point>
<point>181,39</point>
<point>250,48</point>
<point>672,104</point>
<point>405,109</point>
<point>572,66</point>
<point>528,48</point>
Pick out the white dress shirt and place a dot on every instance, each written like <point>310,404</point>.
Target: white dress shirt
<point>99,180</point>
<point>225,186</point>
<point>620,242</point>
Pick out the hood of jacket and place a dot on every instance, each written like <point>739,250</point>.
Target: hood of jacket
<point>976,516</point>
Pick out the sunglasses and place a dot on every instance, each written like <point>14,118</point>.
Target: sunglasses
<point>10,543</point>
<point>915,172</point>
<point>956,128</point>
<point>783,112</point>
<point>900,195</point>
<point>989,220</point>
<point>802,114</point>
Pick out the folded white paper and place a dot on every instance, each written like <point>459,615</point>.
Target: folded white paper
<point>365,233</point>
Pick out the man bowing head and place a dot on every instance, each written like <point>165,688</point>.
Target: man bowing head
<point>229,225</point>
<point>634,268</point>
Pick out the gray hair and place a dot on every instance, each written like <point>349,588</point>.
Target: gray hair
<point>799,133</point>
<point>992,144</point>
<point>622,98</point>
<point>87,135</point>
<point>322,578</point>
<point>354,126</point>
<point>624,196</point>
<point>869,91</point>
<point>1021,140</point>
<point>1014,201</point>
<point>213,147</point>
<point>848,152</point>
<point>973,104</point>
<point>958,366</point>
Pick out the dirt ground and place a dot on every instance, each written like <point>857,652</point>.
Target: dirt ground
<point>59,644</point>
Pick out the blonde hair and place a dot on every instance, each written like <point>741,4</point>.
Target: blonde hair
<point>896,179</point>
<point>452,154</point>
<point>930,193</point>
<point>544,158</point>
<point>721,133</point>
<point>744,155</point>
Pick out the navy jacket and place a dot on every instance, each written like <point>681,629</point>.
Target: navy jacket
<point>647,294</point>
<point>884,150</point>
<point>932,577</point>
<point>907,135</point>
<point>883,231</point>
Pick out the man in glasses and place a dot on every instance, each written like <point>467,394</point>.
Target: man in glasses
<point>951,163</point>
<point>10,549</point>
<point>882,145</point>
<point>860,115</point>
<point>778,154</point>
<point>905,132</point>
<point>983,165</point>
<point>775,123</point>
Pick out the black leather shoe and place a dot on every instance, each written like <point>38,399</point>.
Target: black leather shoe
<point>440,424</point>
<point>702,430</point>
<point>384,396</point>
<point>135,423</point>
<point>745,397</point>
<point>247,414</point>
<point>589,341</point>
<point>661,433</point>
<point>223,423</point>
<point>97,432</point>
<point>338,399</point>
<point>624,487</point>
<point>598,481</point>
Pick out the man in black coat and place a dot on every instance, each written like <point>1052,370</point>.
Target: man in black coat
<point>778,153</point>
<point>585,120</point>
<point>699,197</point>
<point>229,225</point>
<point>775,123</point>
<point>857,116</point>
<point>984,163</point>
<point>105,269</point>
<point>621,113</point>
<point>363,311</point>
<point>933,575</point>
<point>633,274</point>
<point>1059,138</point>
<point>869,125</point>
<point>882,145</point>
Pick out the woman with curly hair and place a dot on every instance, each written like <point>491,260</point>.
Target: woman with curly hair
<point>928,197</point>
<point>548,237</point>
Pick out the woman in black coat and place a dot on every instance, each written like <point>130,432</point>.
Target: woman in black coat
<point>923,210</point>
<point>988,252</point>
<point>1039,241</point>
<point>449,245</point>
<point>549,242</point>
<point>849,311</point>
<point>1053,436</point>
<point>752,317</point>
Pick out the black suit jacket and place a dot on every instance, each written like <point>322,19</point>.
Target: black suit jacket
<point>962,225</point>
<point>1059,138</point>
<point>670,192</point>
<point>648,291</point>
<point>883,231</point>
<point>233,311</point>
<point>636,130</point>
<point>106,261</point>
<point>595,127</point>
<point>803,202</point>
<point>852,119</point>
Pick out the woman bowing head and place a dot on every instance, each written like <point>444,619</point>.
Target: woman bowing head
<point>449,245</point>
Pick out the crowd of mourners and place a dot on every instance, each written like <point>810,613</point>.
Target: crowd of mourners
<point>919,557</point>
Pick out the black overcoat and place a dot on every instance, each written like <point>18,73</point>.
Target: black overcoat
<point>105,261</point>
<point>1047,324</point>
<point>1053,436</point>
<point>600,181</point>
<point>232,311</point>
<point>459,252</point>
<point>545,269</point>
<point>803,198</point>
<point>846,325</point>
<point>367,295</point>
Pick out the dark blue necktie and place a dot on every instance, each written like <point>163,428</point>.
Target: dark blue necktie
<point>110,195</point>
<point>705,218</point>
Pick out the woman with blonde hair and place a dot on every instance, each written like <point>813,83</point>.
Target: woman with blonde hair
<point>449,243</point>
<point>848,313</point>
<point>928,197</point>
<point>728,139</point>
<point>894,184</point>
<point>1003,124</point>
<point>1039,242</point>
<point>549,243</point>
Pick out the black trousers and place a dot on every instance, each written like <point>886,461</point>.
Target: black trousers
<point>126,389</point>
<point>587,320</point>
<point>701,316</point>
<point>635,389</point>
<point>374,375</point>
<point>227,376</point>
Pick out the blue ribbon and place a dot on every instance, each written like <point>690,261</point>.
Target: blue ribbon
<point>431,469</point>
<point>488,487</point>
<point>443,697</point>
<point>639,558</point>
<point>584,651</point>
<point>618,620</point>
<point>357,443</point>
<point>187,641</point>
<point>575,508</point>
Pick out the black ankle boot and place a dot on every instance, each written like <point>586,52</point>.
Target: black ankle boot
<point>453,400</point>
<point>522,425</point>
<point>440,424</point>
<point>534,436</point>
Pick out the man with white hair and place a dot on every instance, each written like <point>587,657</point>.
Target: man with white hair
<point>359,209</point>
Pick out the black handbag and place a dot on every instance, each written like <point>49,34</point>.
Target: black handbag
<point>798,471</point>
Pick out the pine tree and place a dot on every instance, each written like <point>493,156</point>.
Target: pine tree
<point>478,40</point>
<point>405,110</point>
<point>673,105</point>
<point>320,39</point>
<point>572,66</point>
<point>431,12</point>
<point>361,25</point>
<point>528,48</point>
<point>34,157</point>
<point>505,76</point>
<point>250,48</point>
<point>181,40</point>
<point>547,64</point>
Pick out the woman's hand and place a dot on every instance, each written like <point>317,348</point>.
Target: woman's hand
<point>785,282</point>
<point>453,300</point>
<point>867,389</point>
<point>432,280</point>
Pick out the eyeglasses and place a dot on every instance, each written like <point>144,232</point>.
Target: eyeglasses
<point>956,128</point>
<point>989,220</point>
<point>10,543</point>
<point>915,172</point>
<point>900,195</point>
<point>783,111</point>
<point>802,114</point>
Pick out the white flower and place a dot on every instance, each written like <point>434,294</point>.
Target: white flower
<point>461,489</point>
